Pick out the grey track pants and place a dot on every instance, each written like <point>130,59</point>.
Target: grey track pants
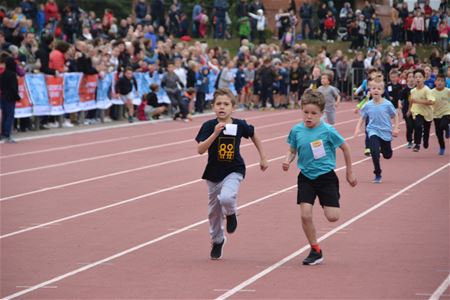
<point>222,202</point>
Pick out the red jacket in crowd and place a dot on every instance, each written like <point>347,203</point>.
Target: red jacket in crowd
<point>51,11</point>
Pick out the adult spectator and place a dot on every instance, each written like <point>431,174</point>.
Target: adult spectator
<point>306,14</point>
<point>196,11</point>
<point>368,10</point>
<point>28,49</point>
<point>253,8</point>
<point>52,14</point>
<point>9,90</point>
<point>220,11</point>
<point>140,10</point>
<point>29,9</point>
<point>157,12</point>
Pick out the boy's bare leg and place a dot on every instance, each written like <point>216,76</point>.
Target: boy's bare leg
<point>332,213</point>
<point>307,222</point>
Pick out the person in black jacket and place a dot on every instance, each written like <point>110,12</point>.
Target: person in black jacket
<point>9,94</point>
<point>124,88</point>
<point>43,54</point>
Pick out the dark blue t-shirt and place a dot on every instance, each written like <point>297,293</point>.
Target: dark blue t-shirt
<point>224,155</point>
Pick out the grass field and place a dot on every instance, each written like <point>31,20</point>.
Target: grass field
<point>232,45</point>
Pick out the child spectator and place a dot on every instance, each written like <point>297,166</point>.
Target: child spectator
<point>202,86</point>
<point>315,142</point>
<point>225,169</point>
<point>380,111</point>
<point>171,83</point>
<point>441,111</point>
<point>239,84</point>
<point>331,96</point>
<point>421,107</point>
<point>184,105</point>
<point>330,27</point>
<point>150,108</point>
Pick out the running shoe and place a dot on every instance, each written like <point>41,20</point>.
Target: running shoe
<point>367,152</point>
<point>231,223</point>
<point>314,258</point>
<point>217,249</point>
<point>377,179</point>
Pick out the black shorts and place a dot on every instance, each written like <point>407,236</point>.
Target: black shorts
<point>326,187</point>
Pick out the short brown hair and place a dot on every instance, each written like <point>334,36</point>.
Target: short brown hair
<point>314,98</point>
<point>224,92</point>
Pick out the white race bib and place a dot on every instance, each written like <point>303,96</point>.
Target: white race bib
<point>317,149</point>
<point>230,129</point>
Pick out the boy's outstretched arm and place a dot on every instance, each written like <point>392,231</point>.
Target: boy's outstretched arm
<point>263,164</point>
<point>358,126</point>
<point>351,179</point>
<point>396,130</point>
<point>204,146</point>
<point>290,156</point>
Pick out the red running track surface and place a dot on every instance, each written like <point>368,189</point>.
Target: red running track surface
<point>121,213</point>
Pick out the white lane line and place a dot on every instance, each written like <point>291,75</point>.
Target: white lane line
<point>129,171</point>
<point>186,228</point>
<point>120,139</point>
<point>44,225</point>
<point>116,204</point>
<point>441,289</point>
<point>124,138</point>
<point>273,267</point>
<point>146,135</point>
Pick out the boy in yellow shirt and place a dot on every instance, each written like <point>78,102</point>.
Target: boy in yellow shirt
<point>441,111</point>
<point>421,101</point>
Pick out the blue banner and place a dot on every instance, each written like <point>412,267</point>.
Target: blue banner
<point>103,91</point>
<point>71,92</point>
<point>38,94</point>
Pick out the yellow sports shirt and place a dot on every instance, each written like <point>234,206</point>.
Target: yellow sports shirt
<point>441,106</point>
<point>421,109</point>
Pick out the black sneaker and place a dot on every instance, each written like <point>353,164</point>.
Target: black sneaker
<point>231,223</point>
<point>416,148</point>
<point>314,258</point>
<point>425,144</point>
<point>217,249</point>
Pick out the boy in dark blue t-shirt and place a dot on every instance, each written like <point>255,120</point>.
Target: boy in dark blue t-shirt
<point>225,170</point>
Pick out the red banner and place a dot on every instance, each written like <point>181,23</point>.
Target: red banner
<point>88,87</point>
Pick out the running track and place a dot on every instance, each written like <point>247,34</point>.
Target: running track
<point>121,213</point>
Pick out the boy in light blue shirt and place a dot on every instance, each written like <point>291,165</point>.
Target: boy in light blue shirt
<point>315,142</point>
<point>379,129</point>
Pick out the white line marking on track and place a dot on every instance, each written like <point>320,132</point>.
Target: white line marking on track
<point>143,196</point>
<point>148,123</point>
<point>331,233</point>
<point>225,290</point>
<point>181,230</point>
<point>116,204</point>
<point>133,170</point>
<point>132,151</point>
<point>441,289</point>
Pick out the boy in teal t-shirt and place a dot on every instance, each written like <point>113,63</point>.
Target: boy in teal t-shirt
<point>315,142</point>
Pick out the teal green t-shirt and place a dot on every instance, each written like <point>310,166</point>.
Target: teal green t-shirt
<point>316,148</point>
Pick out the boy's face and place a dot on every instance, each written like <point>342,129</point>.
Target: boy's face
<point>440,83</point>
<point>170,68</point>
<point>376,90</point>
<point>410,80</point>
<point>223,107</point>
<point>311,115</point>
<point>419,78</point>
<point>324,80</point>
<point>394,78</point>
<point>129,74</point>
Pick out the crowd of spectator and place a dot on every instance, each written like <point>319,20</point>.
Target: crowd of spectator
<point>46,38</point>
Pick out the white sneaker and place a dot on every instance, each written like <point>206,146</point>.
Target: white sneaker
<point>67,124</point>
<point>53,125</point>
<point>107,120</point>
